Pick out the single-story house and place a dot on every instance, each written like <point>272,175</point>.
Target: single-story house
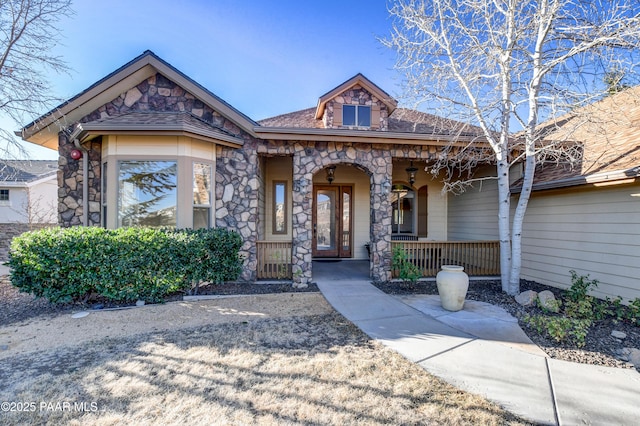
<point>28,198</point>
<point>344,179</point>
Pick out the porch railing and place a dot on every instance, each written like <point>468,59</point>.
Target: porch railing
<point>274,260</point>
<point>477,257</point>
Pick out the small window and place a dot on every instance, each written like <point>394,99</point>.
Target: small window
<point>279,207</point>
<point>4,195</point>
<point>201,195</point>
<point>356,115</point>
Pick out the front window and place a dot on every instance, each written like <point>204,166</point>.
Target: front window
<point>201,195</point>
<point>356,115</point>
<point>402,204</point>
<point>279,207</point>
<point>4,197</point>
<point>147,193</point>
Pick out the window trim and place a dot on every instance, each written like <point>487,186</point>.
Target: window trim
<point>119,163</point>
<point>274,208</point>
<point>209,205</point>
<point>357,109</point>
<point>3,201</point>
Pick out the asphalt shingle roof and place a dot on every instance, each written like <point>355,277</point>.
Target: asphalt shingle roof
<point>26,170</point>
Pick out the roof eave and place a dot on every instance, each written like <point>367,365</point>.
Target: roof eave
<point>346,135</point>
<point>617,177</point>
<point>90,130</point>
<point>44,130</point>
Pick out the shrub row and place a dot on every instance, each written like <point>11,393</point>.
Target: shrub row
<point>74,264</point>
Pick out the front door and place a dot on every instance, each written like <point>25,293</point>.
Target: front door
<point>332,206</point>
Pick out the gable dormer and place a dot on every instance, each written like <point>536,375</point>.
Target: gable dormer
<point>356,104</point>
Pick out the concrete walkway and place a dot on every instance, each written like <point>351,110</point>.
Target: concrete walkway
<point>482,350</point>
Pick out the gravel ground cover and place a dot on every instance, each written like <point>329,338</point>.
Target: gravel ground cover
<point>600,348</point>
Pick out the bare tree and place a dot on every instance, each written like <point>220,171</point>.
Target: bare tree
<point>512,64</point>
<point>28,33</point>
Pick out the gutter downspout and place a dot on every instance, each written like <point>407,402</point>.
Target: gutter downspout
<point>85,174</point>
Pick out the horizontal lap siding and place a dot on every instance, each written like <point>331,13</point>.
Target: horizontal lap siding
<point>473,215</point>
<point>593,232</point>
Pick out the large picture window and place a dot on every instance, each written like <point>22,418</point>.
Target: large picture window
<point>147,193</point>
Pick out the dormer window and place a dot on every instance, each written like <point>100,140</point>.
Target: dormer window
<point>356,115</point>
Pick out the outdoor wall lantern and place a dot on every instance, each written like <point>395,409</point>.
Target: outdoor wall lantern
<point>331,172</point>
<point>76,154</point>
<point>411,171</point>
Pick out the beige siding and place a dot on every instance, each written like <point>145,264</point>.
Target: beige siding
<point>473,215</point>
<point>347,175</point>
<point>594,232</point>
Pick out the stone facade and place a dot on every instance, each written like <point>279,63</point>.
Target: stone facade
<point>70,182</point>
<point>10,230</point>
<point>357,96</point>
<point>238,175</point>
<point>240,185</point>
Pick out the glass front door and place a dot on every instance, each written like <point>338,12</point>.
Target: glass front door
<point>332,221</point>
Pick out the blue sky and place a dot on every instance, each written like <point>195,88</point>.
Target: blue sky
<point>263,57</point>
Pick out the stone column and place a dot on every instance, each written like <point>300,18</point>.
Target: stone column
<point>301,219</point>
<point>381,212</point>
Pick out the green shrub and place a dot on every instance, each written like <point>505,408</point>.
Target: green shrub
<point>74,264</point>
<point>407,271</point>
<point>560,328</point>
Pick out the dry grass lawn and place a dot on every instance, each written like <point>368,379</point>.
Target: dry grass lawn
<point>316,369</point>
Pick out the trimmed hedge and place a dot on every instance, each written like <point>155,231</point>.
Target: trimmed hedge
<point>127,264</point>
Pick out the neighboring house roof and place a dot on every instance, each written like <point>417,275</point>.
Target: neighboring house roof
<point>150,122</point>
<point>356,80</point>
<point>26,171</point>
<point>605,134</point>
<point>44,130</point>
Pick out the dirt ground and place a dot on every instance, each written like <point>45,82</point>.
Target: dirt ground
<point>38,334</point>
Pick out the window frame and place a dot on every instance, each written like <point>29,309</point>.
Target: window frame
<point>357,115</point>
<point>176,190</point>
<point>274,208</point>
<point>5,201</point>
<point>202,206</point>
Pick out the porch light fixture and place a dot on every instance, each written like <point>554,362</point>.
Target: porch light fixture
<point>411,171</point>
<point>331,172</point>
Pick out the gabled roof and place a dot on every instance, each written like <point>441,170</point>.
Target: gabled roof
<point>166,122</point>
<point>44,130</point>
<point>25,171</point>
<point>606,134</point>
<point>365,83</point>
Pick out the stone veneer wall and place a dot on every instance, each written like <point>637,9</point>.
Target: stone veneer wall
<point>355,96</point>
<point>10,230</point>
<point>70,180</point>
<point>239,179</point>
<point>376,160</point>
<point>238,175</point>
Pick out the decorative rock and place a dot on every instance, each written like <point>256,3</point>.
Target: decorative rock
<point>527,298</point>
<point>548,301</point>
<point>98,306</point>
<point>619,334</point>
<point>634,356</point>
<point>140,303</point>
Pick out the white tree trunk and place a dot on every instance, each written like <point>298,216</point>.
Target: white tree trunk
<point>504,206</point>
